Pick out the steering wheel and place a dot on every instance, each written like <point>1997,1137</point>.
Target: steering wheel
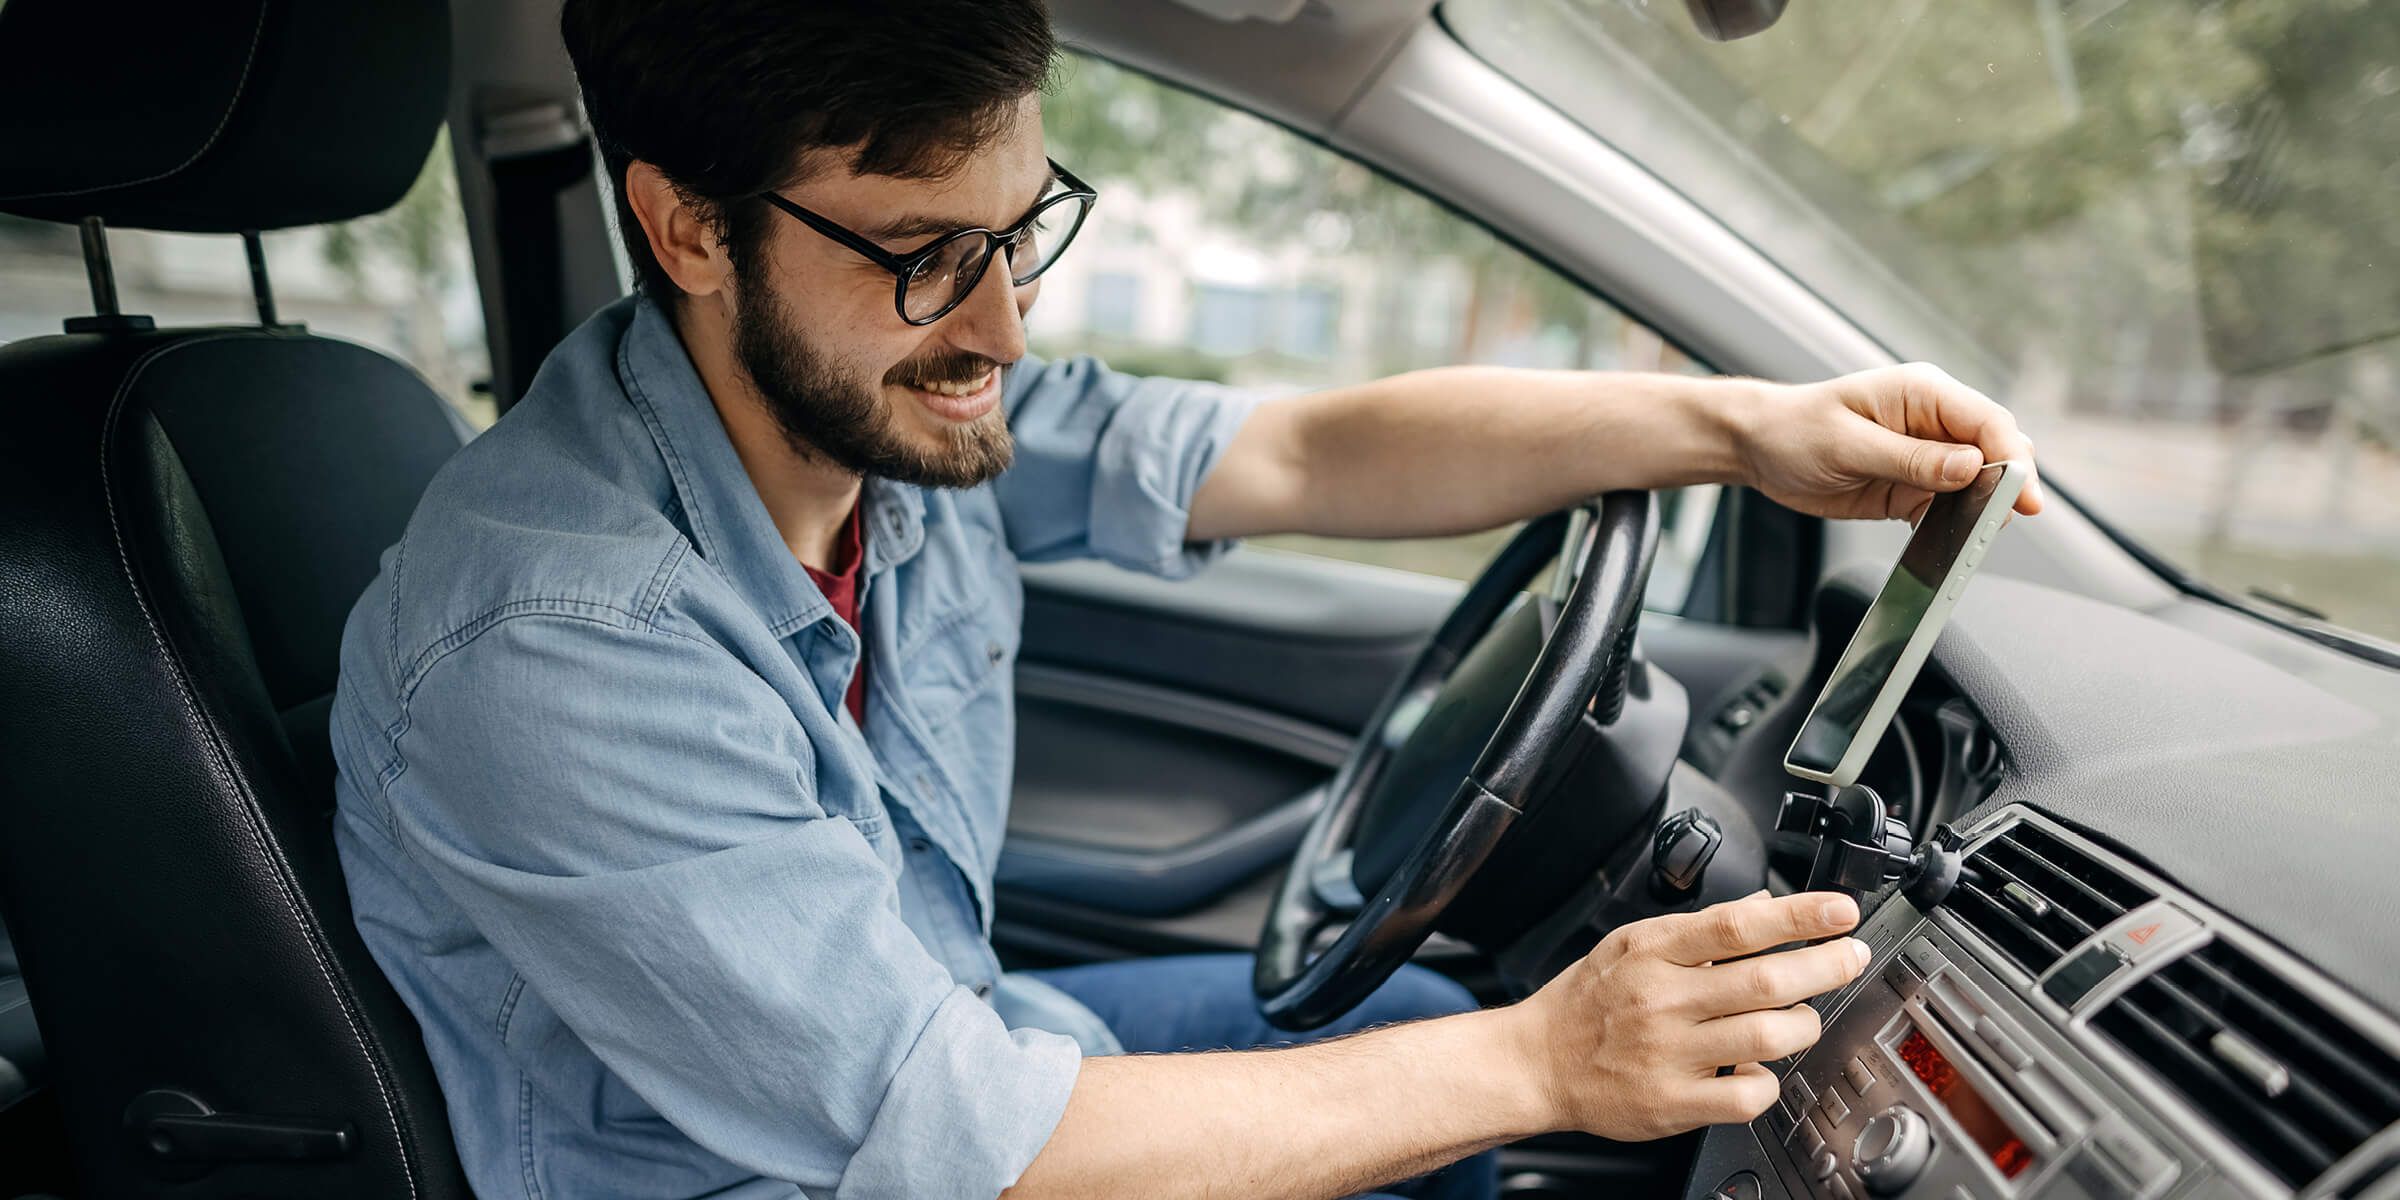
<point>1437,781</point>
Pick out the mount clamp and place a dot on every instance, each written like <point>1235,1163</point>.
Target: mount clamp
<point>1861,848</point>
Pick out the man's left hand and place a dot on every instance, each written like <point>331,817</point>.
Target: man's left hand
<point>1878,443</point>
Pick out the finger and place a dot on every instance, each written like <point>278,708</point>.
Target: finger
<point>1773,980</point>
<point>1941,407</point>
<point>2029,501</point>
<point>1734,1099</point>
<point>1913,463</point>
<point>1746,926</point>
<point>1916,509</point>
<point>1755,1036</point>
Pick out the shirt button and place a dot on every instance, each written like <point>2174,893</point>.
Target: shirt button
<point>983,991</point>
<point>919,845</point>
<point>995,653</point>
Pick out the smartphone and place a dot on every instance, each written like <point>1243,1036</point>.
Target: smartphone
<point>1897,633</point>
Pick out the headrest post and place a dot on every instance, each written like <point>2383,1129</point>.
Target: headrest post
<point>265,295</point>
<point>106,318</point>
<point>96,267</point>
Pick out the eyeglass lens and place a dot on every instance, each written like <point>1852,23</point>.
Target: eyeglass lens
<point>957,265</point>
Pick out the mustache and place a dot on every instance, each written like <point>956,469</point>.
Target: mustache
<point>948,367</point>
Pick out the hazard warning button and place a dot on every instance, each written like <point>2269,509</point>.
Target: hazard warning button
<point>2150,930</point>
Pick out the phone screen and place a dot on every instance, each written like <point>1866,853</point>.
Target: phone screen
<point>1941,536</point>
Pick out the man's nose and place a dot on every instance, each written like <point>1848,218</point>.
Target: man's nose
<point>988,322</point>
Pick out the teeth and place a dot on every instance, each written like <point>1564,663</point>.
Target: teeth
<point>958,389</point>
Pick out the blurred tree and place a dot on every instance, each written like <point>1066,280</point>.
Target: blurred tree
<point>1245,174</point>
<point>417,242</point>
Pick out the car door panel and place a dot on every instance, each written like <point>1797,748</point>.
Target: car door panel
<point>1173,738</point>
<point>1310,638</point>
<point>1141,799</point>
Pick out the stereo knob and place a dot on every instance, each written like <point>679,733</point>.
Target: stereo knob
<point>1892,1150</point>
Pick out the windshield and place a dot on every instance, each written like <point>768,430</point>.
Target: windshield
<point>2166,234</point>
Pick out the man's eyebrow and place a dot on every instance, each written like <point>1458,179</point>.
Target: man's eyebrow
<point>916,225</point>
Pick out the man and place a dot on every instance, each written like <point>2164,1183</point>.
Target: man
<point>675,735</point>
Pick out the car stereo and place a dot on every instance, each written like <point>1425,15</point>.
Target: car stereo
<point>2019,1039</point>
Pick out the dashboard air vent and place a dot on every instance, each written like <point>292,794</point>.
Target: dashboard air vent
<point>2033,896</point>
<point>2271,1068</point>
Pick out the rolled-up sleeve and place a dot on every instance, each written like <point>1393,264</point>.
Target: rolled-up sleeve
<point>663,878</point>
<point>1107,463</point>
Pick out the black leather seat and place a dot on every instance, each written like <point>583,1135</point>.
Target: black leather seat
<point>23,1066</point>
<point>185,518</point>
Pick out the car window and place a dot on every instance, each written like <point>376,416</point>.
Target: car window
<point>2163,233</point>
<point>1228,248</point>
<point>398,281</point>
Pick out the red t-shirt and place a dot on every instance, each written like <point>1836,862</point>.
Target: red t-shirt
<point>841,590</point>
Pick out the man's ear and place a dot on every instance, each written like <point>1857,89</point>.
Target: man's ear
<point>679,239</point>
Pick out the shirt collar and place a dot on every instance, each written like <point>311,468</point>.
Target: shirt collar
<point>729,523</point>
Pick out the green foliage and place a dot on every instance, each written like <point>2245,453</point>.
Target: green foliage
<point>2075,174</point>
<point>1276,188</point>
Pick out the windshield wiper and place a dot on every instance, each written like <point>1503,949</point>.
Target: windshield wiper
<point>2266,606</point>
<point>2285,603</point>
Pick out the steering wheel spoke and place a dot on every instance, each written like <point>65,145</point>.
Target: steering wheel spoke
<point>1332,883</point>
<point>1423,833</point>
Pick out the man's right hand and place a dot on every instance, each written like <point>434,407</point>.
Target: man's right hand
<point>1628,1042</point>
<point>1625,1044</point>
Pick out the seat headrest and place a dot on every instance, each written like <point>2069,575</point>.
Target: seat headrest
<point>215,116</point>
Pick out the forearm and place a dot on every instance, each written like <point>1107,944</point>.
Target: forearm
<point>1324,1120</point>
<point>1456,449</point>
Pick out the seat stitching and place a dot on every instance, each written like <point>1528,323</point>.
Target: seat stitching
<point>249,59</point>
<point>220,762</point>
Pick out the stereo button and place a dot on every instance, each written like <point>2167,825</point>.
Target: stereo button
<point>1823,1166</point>
<point>1859,1076</point>
<point>1741,1185</point>
<point>1797,1096</point>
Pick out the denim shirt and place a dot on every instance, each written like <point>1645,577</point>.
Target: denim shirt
<point>671,924</point>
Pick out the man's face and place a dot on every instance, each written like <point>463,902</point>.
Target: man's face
<point>848,380</point>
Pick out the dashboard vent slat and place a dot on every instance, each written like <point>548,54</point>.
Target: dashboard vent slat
<point>2005,928</point>
<point>2269,1066</point>
<point>2034,896</point>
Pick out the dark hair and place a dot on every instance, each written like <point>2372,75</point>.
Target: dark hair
<point>726,97</point>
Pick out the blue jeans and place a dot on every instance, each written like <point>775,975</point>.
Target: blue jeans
<point>1203,1002</point>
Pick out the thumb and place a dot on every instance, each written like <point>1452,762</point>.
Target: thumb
<point>1918,463</point>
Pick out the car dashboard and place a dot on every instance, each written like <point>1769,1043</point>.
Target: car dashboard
<point>2067,1024</point>
<point>2160,976</point>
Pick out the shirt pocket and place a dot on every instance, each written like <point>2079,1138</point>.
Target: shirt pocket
<point>960,658</point>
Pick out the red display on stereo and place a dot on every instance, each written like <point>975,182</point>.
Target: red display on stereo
<point>1967,1106</point>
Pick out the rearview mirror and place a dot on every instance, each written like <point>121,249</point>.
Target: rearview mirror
<point>1725,20</point>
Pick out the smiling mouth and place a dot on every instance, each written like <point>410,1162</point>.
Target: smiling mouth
<point>959,400</point>
<point>961,388</point>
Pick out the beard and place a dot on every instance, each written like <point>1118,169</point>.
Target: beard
<point>829,413</point>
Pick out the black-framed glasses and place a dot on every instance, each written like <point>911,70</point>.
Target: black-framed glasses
<point>937,277</point>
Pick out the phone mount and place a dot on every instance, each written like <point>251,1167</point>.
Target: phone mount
<point>1861,848</point>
